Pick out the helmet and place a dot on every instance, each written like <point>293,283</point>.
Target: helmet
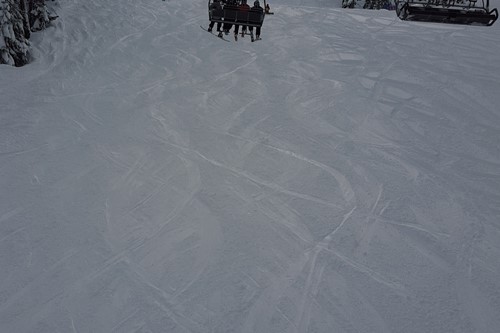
<point>256,3</point>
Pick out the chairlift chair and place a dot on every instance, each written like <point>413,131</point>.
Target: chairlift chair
<point>447,11</point>
<point>231,14</point>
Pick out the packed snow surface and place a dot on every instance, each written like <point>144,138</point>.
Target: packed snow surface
<point>341,175</point>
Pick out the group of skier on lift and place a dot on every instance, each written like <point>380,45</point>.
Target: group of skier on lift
<point>241,5</point>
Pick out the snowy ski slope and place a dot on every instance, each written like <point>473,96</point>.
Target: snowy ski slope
<point>341,175</point>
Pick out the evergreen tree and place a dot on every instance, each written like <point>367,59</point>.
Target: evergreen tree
<point>348,3</point>
<point>18,18</point>
<point>26,23</point>
<point>378,4</point>
<point>14,45</point>
<point>5,57</point>
<point>38,15</point>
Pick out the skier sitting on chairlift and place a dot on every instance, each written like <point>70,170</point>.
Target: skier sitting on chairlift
<point>227,26</point>
<point>244,7</point>
<point>215,7</point>
<point>256,7</point>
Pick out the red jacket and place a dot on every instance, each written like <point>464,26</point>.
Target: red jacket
<point>244,7</point>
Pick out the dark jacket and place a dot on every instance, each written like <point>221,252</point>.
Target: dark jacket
<point>257,8</point>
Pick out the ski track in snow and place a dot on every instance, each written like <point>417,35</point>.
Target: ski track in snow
<point>340,175</point>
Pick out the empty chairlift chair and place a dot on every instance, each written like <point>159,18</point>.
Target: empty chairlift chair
<point>447,11</point>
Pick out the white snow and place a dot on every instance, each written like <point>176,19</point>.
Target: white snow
<point>341,175</point>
